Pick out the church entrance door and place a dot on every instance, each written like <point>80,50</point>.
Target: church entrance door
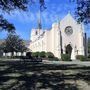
<point>68,49</point>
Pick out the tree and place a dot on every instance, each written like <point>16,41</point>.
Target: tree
<point>89,47</point>
<point>83,10</point>
<point>5,25</point>
<point>8,6</point>
<point>13,44</point>
<point>1,52</point>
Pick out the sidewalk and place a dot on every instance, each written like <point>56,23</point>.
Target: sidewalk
<point>84,63</point>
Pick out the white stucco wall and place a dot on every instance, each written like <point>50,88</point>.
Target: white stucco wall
<point>50,40</point>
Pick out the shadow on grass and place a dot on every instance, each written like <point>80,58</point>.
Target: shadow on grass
<point>19,75</point>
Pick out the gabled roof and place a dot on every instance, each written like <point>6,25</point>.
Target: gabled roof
<point>69,17</point>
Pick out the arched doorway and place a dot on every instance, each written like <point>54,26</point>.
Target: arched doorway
<point>69,49</point>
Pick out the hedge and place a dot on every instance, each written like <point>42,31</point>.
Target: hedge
<point>42,54</point>
<point>49,55</point>
<point>81,57</point>
<point>54,59</point>
<point>35,54</point>
<point>65,57</point>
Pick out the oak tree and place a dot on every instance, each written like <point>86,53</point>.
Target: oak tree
<point>13,43</point>
<point>7,6</point>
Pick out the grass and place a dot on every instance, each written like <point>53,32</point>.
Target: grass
<point>19,75</point>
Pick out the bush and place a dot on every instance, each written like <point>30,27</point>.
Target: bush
<point>35,54</point>
<point>28,55</point>
<point>89,56</point>
<point>49,55</point>
<point>42,54</point>
<point>88,59</point>
<point>1,53</point>
<point>65,57</point>
<point>81,57</point>
<point>54,59</point>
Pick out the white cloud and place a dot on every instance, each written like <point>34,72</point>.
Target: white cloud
<point>50,15</point>
<point>20,16</point>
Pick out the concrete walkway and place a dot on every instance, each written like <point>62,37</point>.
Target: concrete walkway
<point>84,63</point>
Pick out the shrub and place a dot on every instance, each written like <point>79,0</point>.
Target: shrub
<point>1,53</point>
<point>42,54</point>
<point>49,55</point>
<point>54,59</point>
<point>88,59</point>
<point>35,54</point>
<point>28,55</point>
<point>81,57</point>
<point>65,57</point>
<point>89,56</point>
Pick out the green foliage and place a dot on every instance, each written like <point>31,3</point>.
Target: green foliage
<point>89,55</point>
<point>5,25</point>
<point>8,6</point>
<point>42,54</point>
<point>65,57</point>
<point>49,55</point>
<point>81,57</point>
<point>88,59</point>
<point>83,11</point>
<point>39,54</point>
<point>89,46</point>
<point>54,59</point>
<point>28,55</point>
<point>1,53</point>
<point>13,44</point>
<point>35,54</point>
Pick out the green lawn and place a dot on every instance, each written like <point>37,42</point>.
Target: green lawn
<point>16,75</point>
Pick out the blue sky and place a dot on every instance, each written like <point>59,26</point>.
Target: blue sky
<point>25,21</point>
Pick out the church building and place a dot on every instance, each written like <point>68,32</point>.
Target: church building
<point>65,37</point>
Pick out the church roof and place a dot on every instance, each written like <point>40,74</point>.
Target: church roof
<point>69,17</point>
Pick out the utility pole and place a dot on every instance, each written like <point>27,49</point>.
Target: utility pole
<point>60,50</point>
<point>39,20</point>
<point>60,36</point>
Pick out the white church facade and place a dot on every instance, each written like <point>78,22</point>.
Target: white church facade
<point>65,37</point>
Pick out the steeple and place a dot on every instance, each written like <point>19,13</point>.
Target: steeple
<point>39,20</point>
<point>69,12</point>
